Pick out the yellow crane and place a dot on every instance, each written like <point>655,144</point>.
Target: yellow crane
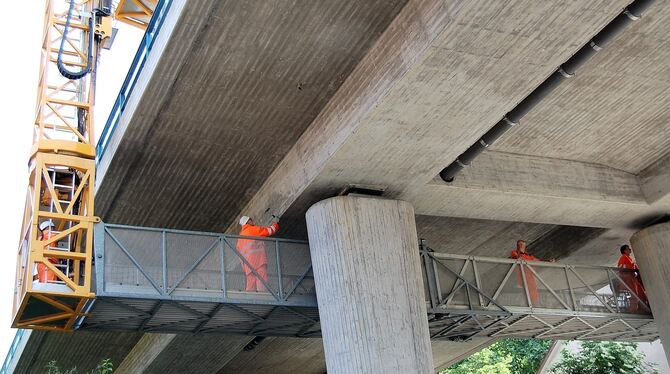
<point>54,264</point>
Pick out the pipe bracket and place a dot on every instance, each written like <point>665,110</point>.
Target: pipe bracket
<point>508,122</point>
<point>461,164</point>
<point>630,15</point>
<point>565,73</point>
<point>595,46</point>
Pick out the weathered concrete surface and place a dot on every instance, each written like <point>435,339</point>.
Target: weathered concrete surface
<point>252,75</point>
<point>162,66</point>
<point>651,247</point>
<point>655,180</point>
<point>497,238</point>
<point>447,353</point>
<point>536,189</point>
<point>614,112</point>
<point>144,353</point>
<point>83,350</point>
<point>280,355</point>
<point>478,68</point>
<point>305,356</point>
<point>411,34</point>
<point>243,81</point>
<point>369,286</point>
<point>197,354</point>
<point>544,176</point>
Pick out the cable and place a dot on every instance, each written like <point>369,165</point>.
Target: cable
<point>61,66</point>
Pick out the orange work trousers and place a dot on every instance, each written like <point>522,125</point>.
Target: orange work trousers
<point>254,283</point>
<point>532,285</point>
<point>635,284</point>
<point>44,274</point>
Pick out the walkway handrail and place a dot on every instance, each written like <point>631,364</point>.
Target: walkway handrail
<point>152,31</point>
<point>483,284</point>
<point>511,261</point>
<point>172,264</point>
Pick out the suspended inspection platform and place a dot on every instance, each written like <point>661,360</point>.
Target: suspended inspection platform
<point>172,281</point>
<point>499,298</point>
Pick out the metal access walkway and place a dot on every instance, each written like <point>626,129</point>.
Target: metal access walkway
<point>493,297</point>
<point>158,280</point>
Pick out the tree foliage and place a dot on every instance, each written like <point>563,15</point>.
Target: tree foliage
<point>104,367</point>
<point>518,356</point>
<point>603,358</point>
<point>485,361</point>
<point>527,354</point>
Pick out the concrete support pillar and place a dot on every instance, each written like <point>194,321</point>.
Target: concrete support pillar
<point>369,286</point>
<point>651,247</point>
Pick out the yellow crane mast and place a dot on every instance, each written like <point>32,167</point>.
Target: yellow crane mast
<point>53,270</point>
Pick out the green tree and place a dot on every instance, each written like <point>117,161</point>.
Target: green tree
<point>518,356</point>
<point>104,367</point>
<point>483,362</point>
<point>527,354</point>
<point>603,358</point>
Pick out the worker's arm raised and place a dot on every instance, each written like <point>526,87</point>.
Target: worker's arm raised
<point>262,230</point>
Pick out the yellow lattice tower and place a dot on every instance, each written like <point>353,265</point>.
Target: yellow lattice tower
<point>53,275</point>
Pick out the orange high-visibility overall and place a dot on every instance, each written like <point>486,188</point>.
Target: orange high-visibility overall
<point>530,278</point>
<point>44,274</point>
<point>633,282</point>
<point>254,252</point>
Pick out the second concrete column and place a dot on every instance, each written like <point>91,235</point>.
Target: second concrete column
<point>369,286</point>
<point>652,253</point>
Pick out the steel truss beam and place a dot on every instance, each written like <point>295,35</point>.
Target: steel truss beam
<point>465,300</point>
<point>543,300</point>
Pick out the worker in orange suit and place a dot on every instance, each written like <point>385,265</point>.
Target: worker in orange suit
<point>253,251</point>
<point>631,278</point>
<point>44,274</point>
<point>520,253</point>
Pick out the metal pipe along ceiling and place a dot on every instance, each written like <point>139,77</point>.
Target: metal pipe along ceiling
<point>564,72</point>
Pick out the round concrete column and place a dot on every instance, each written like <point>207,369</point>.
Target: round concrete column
<point>369,286</point>
<point>651,247</point>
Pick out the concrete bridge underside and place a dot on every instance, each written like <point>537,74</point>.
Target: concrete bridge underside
<point>262,107</point>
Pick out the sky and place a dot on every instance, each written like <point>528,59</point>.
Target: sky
<point>20,36</point>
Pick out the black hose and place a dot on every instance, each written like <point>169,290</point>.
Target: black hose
<point>61,66</point>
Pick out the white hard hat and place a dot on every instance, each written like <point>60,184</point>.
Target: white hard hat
<point>45,224</point>
<point>244,220</point>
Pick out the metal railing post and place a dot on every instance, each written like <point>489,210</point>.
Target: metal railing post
<point>279,275</point>
<point>431,281</point>
<point>99,231</point>
<point>477,281</point>
<point>164,250</point>
<point>572,292</point>
<point>614,292</point>
<point>525,283</point>
<point>223,267</point>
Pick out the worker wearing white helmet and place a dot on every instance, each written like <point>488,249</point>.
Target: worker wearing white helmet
<point>254,261</point>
